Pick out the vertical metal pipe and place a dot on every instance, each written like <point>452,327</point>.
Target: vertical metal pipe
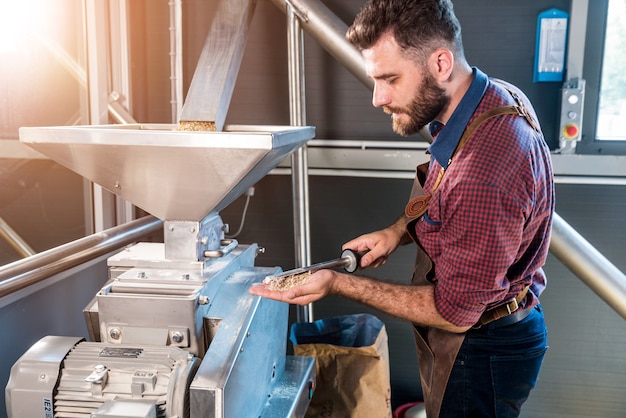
<point>299,166</point>
<point>120,96</point>
<point>98,59</point>
<point>176,57</point>
<point>119,50</point>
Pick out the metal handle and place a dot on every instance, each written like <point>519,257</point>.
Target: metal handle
<point>352,258</point>
<point>349,261</point>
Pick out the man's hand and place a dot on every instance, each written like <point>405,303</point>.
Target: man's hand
<point>317,286</point>
<point>379,245</point>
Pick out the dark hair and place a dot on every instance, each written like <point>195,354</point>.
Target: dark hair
<point>419,26</point>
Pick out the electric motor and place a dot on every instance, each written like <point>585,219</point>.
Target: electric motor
<point>66,377</point>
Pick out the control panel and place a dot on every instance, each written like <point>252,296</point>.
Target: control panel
<point>572,101</point>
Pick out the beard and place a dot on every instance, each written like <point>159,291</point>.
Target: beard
<point>428,102</point>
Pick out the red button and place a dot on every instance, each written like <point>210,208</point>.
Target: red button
<point>570,130</point>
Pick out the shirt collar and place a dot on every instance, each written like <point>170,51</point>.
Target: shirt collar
<point>450,134</point>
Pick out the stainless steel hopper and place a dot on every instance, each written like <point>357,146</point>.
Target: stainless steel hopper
<point>174,175</point>
<point>182,177</point>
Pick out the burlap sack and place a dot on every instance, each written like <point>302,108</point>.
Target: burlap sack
<point>352,365</point>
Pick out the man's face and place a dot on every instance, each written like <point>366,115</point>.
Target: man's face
<point>404,89</point>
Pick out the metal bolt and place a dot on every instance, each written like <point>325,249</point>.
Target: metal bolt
<point>203,300</point>
<point>178,337</point>
<point>141,275</point>
<point>99,368</point>
<point>186,276</point>
<point>115,333</point>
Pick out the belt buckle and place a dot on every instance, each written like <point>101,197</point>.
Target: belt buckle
<point>512,306</point>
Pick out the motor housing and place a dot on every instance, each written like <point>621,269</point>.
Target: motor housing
<point>76,378</point>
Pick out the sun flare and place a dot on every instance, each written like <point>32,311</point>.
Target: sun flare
<point>17,19</point>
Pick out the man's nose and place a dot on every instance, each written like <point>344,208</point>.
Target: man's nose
<point>380,97</point>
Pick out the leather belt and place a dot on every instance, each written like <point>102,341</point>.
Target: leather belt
<point>507,312</point>
<point>511,319</point>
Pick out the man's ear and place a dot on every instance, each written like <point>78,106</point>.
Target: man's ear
<point>441,63</point>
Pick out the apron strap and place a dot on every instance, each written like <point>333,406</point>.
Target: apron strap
<point>418,203</point>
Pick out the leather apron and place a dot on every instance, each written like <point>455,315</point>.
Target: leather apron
<point>436,348</point>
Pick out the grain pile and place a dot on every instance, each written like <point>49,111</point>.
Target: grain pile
<point>185,125</point>
<point>282,283</point>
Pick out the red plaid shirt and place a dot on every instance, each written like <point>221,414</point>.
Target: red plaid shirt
<point>488,224</point>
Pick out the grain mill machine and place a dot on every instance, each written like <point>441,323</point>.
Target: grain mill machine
<point>174,331</point>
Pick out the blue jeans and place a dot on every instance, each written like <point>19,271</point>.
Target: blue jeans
<point>496,368</point>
